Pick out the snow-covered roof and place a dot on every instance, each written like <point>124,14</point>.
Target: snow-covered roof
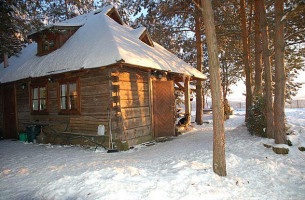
<point>100,41</point>
<point>192,87</point>
<point>139,31</point>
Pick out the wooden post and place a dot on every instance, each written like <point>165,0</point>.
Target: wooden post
<point>150,93</point>
<point>187,102</point>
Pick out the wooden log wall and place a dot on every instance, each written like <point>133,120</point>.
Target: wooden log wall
<point>94,102</point>
<point>23,104</point>
<point>125,89</point>
<point>1,108</point>
<point>134,103</point>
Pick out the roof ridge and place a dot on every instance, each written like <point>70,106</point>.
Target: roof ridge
<point>107,21</point>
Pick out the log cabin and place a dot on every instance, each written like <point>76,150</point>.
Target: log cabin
<point>94,70</point>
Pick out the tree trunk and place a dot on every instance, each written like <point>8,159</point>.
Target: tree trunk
<point>246,57</point>
<point>203,101</point>
<point>5,60</point>
<point>249,40</point>
<point>258,53</point>
<point>267,69</point>
<point>66,9</point>
<point>219,160</point>
<point>280,78</point>
<point>225,80</point>
<point>187,102</point>
<point>199,99</point>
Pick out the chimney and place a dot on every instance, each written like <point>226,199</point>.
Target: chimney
<point>5,60</point>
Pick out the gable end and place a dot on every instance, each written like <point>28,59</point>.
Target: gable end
<point>146,39</point>
<point>113,14</point>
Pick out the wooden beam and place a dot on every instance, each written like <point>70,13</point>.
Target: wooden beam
<point>179,85</point>
<point>16,113</point>
<point>187,102</point>
<point>151,104</point>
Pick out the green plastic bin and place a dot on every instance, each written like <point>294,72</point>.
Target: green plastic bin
<point>23,137</point>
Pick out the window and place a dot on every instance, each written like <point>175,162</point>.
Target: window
<point>48,45</point>
<point>51,43</point>
<point>39,99</point>
<point>69,97</point>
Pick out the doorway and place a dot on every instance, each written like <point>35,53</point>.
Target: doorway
<point>164,108</point>
<point>9,112</point>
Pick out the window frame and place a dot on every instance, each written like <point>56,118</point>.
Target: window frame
<point>39,85</point>
<point>47,45</point>
<point>68,111</point>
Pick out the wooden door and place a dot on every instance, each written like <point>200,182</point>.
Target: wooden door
<point>163,108</point>
<point>9,112</point>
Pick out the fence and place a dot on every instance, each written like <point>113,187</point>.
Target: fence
<point>300,103</point>
<point>237,105</point>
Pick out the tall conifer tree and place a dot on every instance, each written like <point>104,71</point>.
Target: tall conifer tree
<point>219,160</point>
<point>280,76</point>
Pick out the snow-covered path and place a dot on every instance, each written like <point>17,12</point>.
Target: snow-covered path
<point>177,169</point>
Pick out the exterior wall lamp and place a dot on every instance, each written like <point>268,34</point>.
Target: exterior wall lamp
<point>23,86</point>
<point>157,74</point>
<point>51,80</point>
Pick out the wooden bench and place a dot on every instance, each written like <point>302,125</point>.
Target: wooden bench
<point>81,128</point>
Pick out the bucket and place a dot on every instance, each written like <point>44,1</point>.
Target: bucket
<point>101,130</point>
<point>23,137</point>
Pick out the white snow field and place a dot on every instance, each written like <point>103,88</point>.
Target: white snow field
<point>176,169</point>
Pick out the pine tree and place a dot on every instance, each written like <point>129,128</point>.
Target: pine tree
<point>199,48</point>
<point>246,56</point>
<point>280,76</point>
<point>10,37</point>
<point>258,52</point>
<point>267,70</point>
<point>219,162</point>
<point>294,34</point>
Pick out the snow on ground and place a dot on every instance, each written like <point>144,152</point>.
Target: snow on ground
<point>177,169</point>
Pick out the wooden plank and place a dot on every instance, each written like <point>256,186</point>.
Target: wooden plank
<point>9,112</point>
<point>137,132</point>
<point>139,77</point>
<point>92,73</point>
<point>127,94</point>
<point>90,81</point>
<point>136,122</point>
<point>134,103</point>
<point>133,86</point>
<point>1,107</point>
<point>50,118</point>
<point>179,85</point>
<point>163,108</point>
<point>150,101</point>
<point>94,109</point>
<point>24,116</point>
<point>95,100</point>
<point>23,107</point>
<point>128,113</point>
<point>94,89</point>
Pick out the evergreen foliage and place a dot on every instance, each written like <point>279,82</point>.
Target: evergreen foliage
<point>10,32</point>
<point>256,122</point>
<point>172,24</point>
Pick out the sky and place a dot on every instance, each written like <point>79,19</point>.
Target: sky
<point>239,89</point>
